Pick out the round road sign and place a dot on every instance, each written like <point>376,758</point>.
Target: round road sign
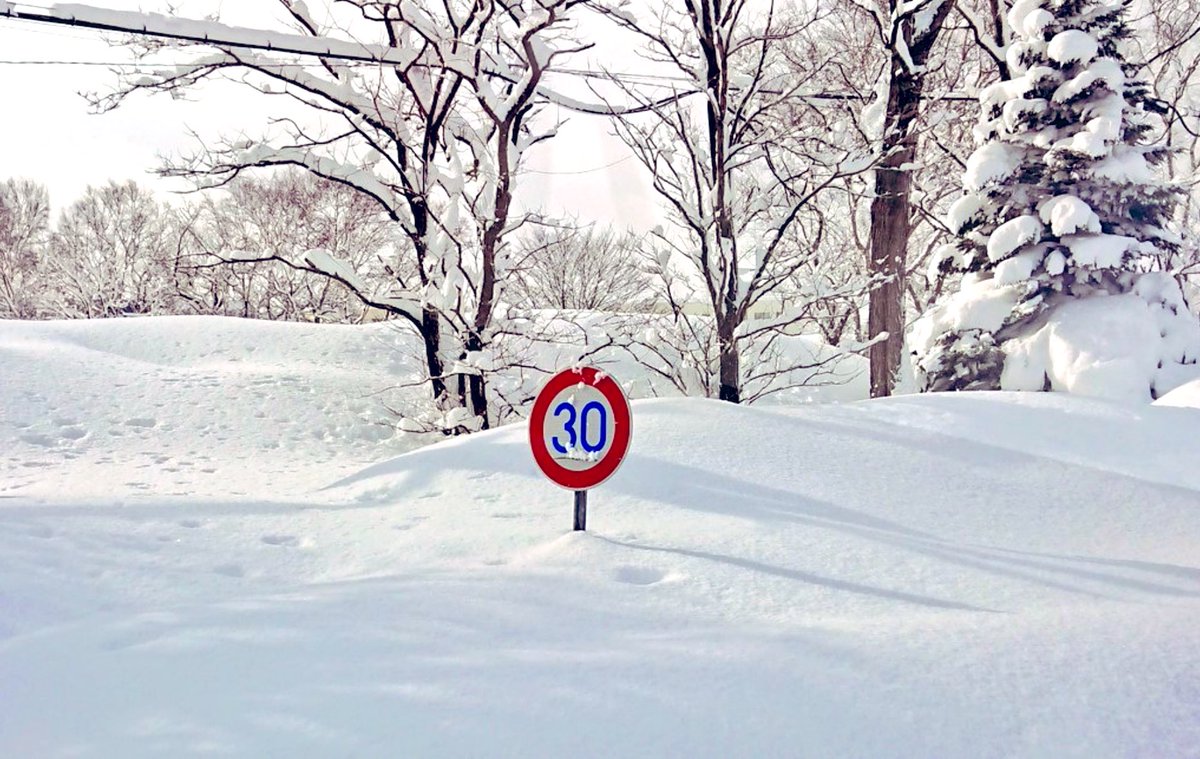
<point>579,428</point>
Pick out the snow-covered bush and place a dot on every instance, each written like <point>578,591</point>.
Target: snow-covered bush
<point>24,223</point>
<point>244,250</point>
<point>112,254</point>
<point>581,268</point>
<point>1062,205</point>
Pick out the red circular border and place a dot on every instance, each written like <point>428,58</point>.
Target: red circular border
<point>622,429</point>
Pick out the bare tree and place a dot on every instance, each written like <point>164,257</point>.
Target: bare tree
<point>434,132</point>
<point>286,215</point>
<point>589,269</point>
<point>24,223</point>
<point>854,89</point>
<point>1168,49</point>
<point>969,55</point>
<point>111,254</point>
<point>740,181</point>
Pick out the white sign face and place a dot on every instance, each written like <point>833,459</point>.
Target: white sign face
<point>578,429</point>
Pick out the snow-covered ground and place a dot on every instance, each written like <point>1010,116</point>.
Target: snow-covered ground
<point>209,546</point>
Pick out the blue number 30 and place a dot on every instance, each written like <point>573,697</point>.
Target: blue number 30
<point>580,438</point>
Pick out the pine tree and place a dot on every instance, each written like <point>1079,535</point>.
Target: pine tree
<point>1061,204</point>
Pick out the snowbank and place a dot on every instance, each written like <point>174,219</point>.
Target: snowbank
<point>974,575</point>
<point>1184,396</point>
<point>74,396</point>
<point>195,405</point>
<point>1100,347</point>
<point>1128,348</point>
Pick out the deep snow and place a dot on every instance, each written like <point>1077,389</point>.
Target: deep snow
<point>211,550</point>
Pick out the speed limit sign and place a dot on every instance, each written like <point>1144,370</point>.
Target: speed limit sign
<point>579,431</point>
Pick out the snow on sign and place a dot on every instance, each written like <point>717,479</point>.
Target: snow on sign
<point>579,431</point>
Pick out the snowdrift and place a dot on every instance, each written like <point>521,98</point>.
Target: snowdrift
<point>192,405</point>
<point>975,575</point>
<point>1184,396</point>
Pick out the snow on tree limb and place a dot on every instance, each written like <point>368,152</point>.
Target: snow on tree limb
<point>212,32</point>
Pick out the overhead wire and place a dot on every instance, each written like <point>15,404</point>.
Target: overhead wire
<point>580,171</point>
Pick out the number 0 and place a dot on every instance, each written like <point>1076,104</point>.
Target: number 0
<point>583,427</point>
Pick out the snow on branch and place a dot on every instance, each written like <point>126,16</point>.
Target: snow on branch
<point>915,26</point>
<point>223,165</point>
<point>324,261</point>
<point>211,32</point>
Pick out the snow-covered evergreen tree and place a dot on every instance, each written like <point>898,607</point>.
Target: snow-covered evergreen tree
<point>1061,214</point>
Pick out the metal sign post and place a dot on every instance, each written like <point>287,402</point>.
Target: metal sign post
<point>580,510</point>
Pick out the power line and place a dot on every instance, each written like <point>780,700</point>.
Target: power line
<point>112,64</point>
<point>282,45</point>
<point>580,171</point>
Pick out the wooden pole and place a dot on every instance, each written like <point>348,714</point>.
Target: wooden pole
<point>580,509</point>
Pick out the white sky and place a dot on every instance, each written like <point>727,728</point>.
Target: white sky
<point>48,134</point>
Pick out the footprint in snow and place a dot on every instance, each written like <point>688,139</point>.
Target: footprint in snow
<point>638,575</point>
<point>129,640</point>
<point>39,531</point>
<point>289,541</point>
<point>405,526</point>
<point>43,441</point>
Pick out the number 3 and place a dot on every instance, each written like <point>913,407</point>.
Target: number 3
<point>569,427</point>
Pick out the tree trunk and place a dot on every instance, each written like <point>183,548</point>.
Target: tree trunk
<point>891,208</point>
<point>476,386</point>
<point>477,390</point>
<point>890,230</point>
<point>730,367</point>
<point>431,338</point>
